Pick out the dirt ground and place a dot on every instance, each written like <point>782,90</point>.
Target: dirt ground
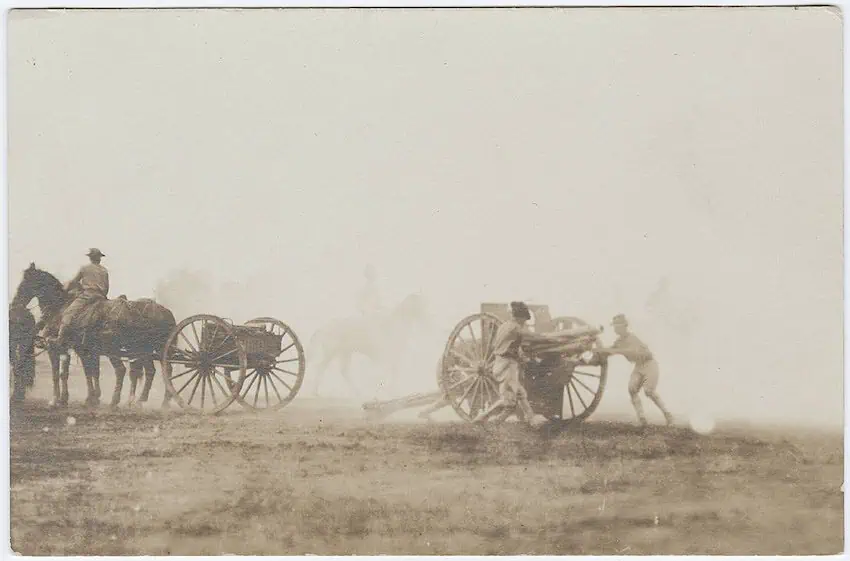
<point>319,478</point>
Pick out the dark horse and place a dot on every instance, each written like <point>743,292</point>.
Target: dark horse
<point>22,334</point>
<point>112,328</point>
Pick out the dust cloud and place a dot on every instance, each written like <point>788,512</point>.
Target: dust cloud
<point>622,161</point>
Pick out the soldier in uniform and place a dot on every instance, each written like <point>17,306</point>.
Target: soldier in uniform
<point>506,368</point>
<point>90,285</point>
<point>645,374</point>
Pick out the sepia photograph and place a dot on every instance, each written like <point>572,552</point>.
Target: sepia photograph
<point>426,281</point>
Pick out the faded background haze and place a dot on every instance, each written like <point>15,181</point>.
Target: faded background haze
<point>681,166</point>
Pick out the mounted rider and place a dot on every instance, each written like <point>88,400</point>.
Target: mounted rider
<point>90,285</point>
<point>369,297</point>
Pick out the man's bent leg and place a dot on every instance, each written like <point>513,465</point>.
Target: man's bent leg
<point>635,383</point>
<point>651,376</point>
<point>523,406</point>
<point>503,370</point>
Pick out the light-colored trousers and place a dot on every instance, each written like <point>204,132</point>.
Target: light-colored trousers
<point>77,306</point>
<point>506,371</point>
<point>645,376</point>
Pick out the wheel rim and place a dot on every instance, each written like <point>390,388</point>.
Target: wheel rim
<point>467,366</point>
<point>273,381</point>
<point>200,359</point>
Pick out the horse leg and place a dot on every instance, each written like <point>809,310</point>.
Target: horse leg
<point>89,386</point>
<point>150,372</point>
<point>23,370</point>
<point>18,391</point>
<point>19,385</point>
<point>319,373</point>
<point>166,371</point>
<point>391,380</point>
<point>344,366</point>
<point>96,380</point>
<point>54,367</point>
<point>64,362</point>
<point>120,372</point>
<point>135,374</point>
<point>91,366</point>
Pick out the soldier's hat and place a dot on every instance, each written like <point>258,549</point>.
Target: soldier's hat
<point>95,252</point>
<point>620,319</point>
<point>520,310</point>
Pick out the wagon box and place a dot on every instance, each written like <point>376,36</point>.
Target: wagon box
<point>258,341</point>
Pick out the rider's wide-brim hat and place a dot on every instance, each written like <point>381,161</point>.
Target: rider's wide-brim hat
<point>619,319</point>
<point>95,251</point>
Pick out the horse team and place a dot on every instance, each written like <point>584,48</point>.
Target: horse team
<point>137,330</point>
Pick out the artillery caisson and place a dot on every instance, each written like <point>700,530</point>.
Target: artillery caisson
<point>565,379</point>
<point>209,363</point>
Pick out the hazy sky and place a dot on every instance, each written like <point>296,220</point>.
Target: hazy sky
<point>574,157</point>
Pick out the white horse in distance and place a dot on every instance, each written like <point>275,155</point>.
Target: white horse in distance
<point>381,337</point>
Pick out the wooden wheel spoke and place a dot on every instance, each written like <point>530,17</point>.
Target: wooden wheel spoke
<point>220,385</point>
<point>592,375</point>
<point>266,388</point>
<point>188,342</point>
<point>189,381</point>
<point>274,387</point>
<point>296,359</point>
<point>281,381</point>
<point>491,336</point>
<point>585,386</point>
<point>195,332</point>
<point>465,380</point>
<point>212,390</point>
<point>466,399</point>
<point>466,393</point>
<point>469,351</point>
<point>570,395</point>
<point>462,357</point>
<point>285,371</point>
<point>248,388</point>
<point>476,392</point>
<point>195,387</point>
<point>472,332</point>
<point>491,394</point>
<point>286,348</point>
<point>257,393</point>
<point>578,395</point>
<point>184,373</point>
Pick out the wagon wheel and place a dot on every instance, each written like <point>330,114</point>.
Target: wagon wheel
<point>274,382</point>
<point>466,374</point>
<point>584,388</point>
<point>199,359</point>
